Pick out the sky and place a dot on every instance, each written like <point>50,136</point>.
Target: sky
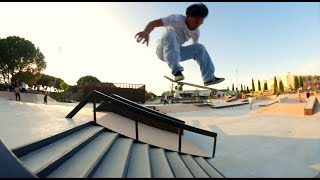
<point>245,40</point>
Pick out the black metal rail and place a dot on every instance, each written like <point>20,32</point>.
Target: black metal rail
<point>145,108</point>
<point>139,109</point>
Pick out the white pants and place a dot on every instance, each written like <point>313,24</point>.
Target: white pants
<point>172,53</point>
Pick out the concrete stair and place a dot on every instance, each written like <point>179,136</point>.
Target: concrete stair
<point>93,151</point>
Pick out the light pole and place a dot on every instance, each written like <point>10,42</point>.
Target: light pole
<point>55,78</point>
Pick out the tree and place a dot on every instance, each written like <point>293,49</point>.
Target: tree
<point>165,93</point>
<point>149,95</point>
<point>73,89</point>
<point>275,86</point>
<point>259,86</point>
<point>85,80</point>
<point>28,77</point>
<point>296,82</point>
<point>20,55</point>
<point>253,88</point>
<point>281,87</point>
<point>196,93</point>
<point>64,86</point>
<point>315,78</point>
<point>232,86</point>
<point>300,81</point>
<point>248,89</point>
<point>241,88</point>
<point>51,81</point>
<point>265,87</point>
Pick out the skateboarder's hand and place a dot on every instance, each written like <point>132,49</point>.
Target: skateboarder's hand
<point>142,35</point>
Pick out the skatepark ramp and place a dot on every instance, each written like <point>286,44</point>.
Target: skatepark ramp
<point>93,151</point>
<point>27,97</point>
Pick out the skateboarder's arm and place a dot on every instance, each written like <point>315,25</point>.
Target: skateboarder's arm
<point>153,24</point>
<point>145,33</point>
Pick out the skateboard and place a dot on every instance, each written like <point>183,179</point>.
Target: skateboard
<point>180,84</point>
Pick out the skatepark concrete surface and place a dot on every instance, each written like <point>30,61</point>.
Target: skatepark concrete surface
<point>270,141</point>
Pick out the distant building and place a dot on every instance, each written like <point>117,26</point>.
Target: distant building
<point>133,92</point>
<point>190,93</point>
<point>203,94</point>
<point>288,82</point>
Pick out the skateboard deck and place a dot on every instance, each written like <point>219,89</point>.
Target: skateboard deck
<point>194,85</point>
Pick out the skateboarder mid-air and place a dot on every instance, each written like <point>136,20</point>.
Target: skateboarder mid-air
<point>178,30</point>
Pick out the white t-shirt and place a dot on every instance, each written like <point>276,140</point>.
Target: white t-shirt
<point>178,23</point>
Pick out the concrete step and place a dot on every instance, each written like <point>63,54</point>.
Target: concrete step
<point>178,167</point>
<point>211,171</point>
<point>194,167</point>
<point>81,164</point>
<point>159,164</point>
<point>40,161</point>
<point>139,164</point>
<point>93,152</point>
<point>30,147</point>
<point>116,162</point>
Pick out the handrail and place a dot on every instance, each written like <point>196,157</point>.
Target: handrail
<point>153,115</point>
<point>95,93</point>
<point>11,166</point>
<point>145,108</point>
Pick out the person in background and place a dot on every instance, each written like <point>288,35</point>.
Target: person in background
<point>17,92</point>
<point>250,101</point>
<point>45,98</point>
<point>7,86</point>
<point>23,87</point>
<point>308,91</point>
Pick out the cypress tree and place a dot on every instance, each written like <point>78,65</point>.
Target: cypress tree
<point>259,86</point>
<point>275,86</point>
<point>253,89</point>
<point>300,81</point>
<point>266,85</point>
<point>296,82</point>
<point>281,87</point>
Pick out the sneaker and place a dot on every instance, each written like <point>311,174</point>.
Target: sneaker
<point>215,81</point>
<point>178,76</point>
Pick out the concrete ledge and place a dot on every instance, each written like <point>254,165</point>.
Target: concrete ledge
<point>308,108</point>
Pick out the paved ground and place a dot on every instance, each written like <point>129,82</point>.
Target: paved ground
<point>262,142</point>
